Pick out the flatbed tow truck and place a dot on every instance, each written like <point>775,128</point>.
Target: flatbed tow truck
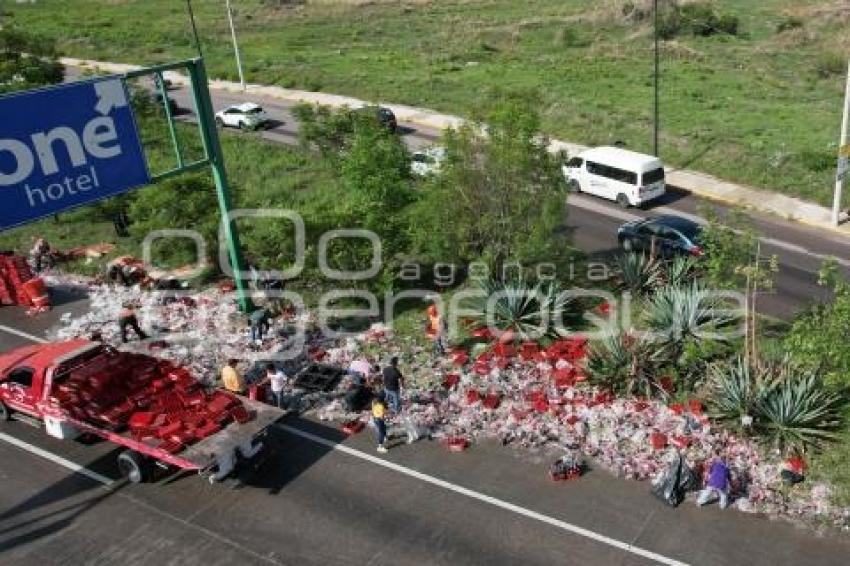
<point>154,409</point>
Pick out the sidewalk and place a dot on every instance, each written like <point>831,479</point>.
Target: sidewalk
<point>700,184</point>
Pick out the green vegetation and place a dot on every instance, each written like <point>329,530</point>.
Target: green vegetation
<point>27,60</point>
<point>506,190</point>
<point>789,407</point>
<point>751,89</point>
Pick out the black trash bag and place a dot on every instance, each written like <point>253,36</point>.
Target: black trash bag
<point>675,482</point>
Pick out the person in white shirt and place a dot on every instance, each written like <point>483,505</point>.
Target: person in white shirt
<point>277,380</point>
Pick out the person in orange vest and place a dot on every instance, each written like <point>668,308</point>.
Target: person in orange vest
<point>126,318</point>
<point>437,330</point>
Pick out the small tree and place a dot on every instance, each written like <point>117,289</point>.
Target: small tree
<point>186,202</point>
<point>27,61</point>
<point>500,195</point>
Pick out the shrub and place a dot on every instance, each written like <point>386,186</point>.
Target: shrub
<point>532,311</point>
<point>637,273</point>
<point>829,64</point>
<point>789,24</point>
<point>790,406</point>
<point>626,364</point>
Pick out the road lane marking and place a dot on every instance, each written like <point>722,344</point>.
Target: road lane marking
<point>22,334</point>
<point>557,523</point>
<point>74,467</point>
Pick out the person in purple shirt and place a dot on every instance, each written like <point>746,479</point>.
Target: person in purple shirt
<point>719,480</point>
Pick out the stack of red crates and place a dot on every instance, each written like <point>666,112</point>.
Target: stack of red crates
<point>161,405</point>
<point>14,272</point>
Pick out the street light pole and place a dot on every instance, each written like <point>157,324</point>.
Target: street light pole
<point>655,81</point>
<point>843,154</point>
<point>235,45</point>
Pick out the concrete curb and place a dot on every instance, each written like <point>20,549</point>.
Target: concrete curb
<point>701,184</point>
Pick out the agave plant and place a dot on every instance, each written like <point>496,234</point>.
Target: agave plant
<point>679,313</point>
<point>531,311</point>
<point>737,389</point>
<point>798,411</point>
<point>789,407</point>
<point>679,271</point>
<point>626,364</point>
<point>638,273</point>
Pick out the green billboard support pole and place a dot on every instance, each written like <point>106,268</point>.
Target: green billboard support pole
<point>209,135</point>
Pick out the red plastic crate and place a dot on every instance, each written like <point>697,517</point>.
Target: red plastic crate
<point>451,380</point>
<point>658,440</point>
<point>207,429</point>
<point>353,427</point>
<point>491,401</point>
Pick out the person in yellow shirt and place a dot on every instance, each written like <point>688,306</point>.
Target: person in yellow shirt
<point>379,411</point>
<point>230,377</point>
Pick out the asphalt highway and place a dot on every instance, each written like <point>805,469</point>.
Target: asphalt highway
<point>319,497</point>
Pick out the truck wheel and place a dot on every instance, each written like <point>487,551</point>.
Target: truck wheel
<point>623,200</point>
<point>574,186</point>
<point>133,466</point>
<point>5,412</point>
<point>219,122</point>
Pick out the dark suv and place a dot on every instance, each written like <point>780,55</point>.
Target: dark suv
<point>673,235</point>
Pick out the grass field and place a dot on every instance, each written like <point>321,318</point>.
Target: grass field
<point>762,107</point>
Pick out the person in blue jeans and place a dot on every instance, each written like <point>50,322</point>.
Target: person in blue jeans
<point>718,484</point>
<point>393,382</point>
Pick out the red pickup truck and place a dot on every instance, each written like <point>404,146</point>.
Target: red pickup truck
<point>155,409</point>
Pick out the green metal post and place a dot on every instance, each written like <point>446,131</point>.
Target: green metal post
<point>209,135</point>
<point>163,94</point>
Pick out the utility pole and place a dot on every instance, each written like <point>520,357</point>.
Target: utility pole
<point>194,28</point>
<point>235,45</point>
<point>655,76</point>
<point>843,154</point>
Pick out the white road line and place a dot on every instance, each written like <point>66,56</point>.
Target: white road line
<point>76,468</point>
<point>22,334</point>
<point>574,529</point>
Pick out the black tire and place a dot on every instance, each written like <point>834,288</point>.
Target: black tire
<point>134,466</point>
<point>219,122</point>
<point>242,126</point>
<point>623,200</point>
<point>574,185</point>
<point>5,413</point>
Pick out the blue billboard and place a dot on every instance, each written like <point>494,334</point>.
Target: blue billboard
<point>65,146</point>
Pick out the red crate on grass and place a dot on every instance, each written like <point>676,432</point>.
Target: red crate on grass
<point>504,350</point>
<point>460,359</point>
<point>473,396</point>
<point>481,368</point>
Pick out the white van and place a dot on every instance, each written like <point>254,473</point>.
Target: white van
<point>624,176</point>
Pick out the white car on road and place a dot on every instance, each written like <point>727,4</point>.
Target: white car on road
<point>245,116</point>
<point>427,161</point>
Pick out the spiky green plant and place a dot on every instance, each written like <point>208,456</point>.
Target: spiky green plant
<point>679,271</point>
<point>530,310</point>
<point>626,364</point>
<point>798,411</point>
<point>676,314</point>
<point>737,389</point>
<point>637,273</point>
<point>790,407</point>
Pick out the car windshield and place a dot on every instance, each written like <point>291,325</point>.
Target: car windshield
<point>256,110</point>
